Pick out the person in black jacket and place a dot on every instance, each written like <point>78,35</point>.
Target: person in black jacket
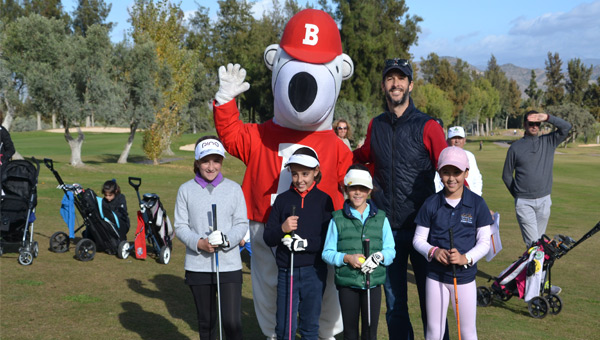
<point>7,149</point>
<point>403,145</point>
<point>297,226</point>
<point>118,204</point>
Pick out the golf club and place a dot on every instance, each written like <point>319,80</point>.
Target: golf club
<point>214,213</point>
<point>291,278</point>
<point>455,289</point>
<point>368,284</point>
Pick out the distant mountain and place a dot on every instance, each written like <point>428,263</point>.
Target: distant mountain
<point>522,75</point>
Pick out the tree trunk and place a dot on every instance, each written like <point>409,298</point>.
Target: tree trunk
<point>155,161</point>
<point>75,145</point>
<point>506,122</point>
<point>10,113</point>
<point>88,121</point>
<point>39,120</point>
<point>54,120</point>
<point>93,119</point>
<point>194,130</point>
<point>125,153</point>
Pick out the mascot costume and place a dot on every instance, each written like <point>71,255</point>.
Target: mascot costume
<point>308,68</point>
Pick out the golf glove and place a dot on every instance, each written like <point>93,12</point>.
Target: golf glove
<point>371,263</point>
<point>231,83</point>
<point>295,243</point>
<point>217,238</point>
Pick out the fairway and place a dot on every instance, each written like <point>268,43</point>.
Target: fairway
<point>59,297</point>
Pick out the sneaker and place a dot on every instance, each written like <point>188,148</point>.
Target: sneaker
<point>555,290</point>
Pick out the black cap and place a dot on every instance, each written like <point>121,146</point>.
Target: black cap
<point>398,64</point>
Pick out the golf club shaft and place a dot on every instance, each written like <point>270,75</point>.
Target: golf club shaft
<point>214,212</point>
<point>455,285</point>
<point>368,283</point>
<point>291,279</point>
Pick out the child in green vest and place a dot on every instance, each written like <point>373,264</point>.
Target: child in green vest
<point>350,227</point>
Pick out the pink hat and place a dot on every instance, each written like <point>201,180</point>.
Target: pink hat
<point>453,155</point>
<point>312,36</point>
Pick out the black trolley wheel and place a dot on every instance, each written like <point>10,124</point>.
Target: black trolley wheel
<point>538,307</point>
<point>555,303</point>
<point>35,249</point>
<point>123,250</point>
<point>59,242</point>
<point>484,296</point>
<point>85,250</point>
<point>165,255</point>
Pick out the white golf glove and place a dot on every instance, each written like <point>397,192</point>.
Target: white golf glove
<point>295,243</point>
<point>371,263</point>
<point>217,238</point>
<point>231,83</point>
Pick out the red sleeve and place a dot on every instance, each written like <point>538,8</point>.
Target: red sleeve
<point>235,135</point>
<point>363,154</point>
<point>434,140</point>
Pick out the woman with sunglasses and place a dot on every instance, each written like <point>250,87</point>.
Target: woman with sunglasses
<point>342,130</point>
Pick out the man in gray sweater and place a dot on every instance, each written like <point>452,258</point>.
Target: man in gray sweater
<point>531,159</point>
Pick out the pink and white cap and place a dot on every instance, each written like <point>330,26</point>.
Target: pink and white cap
<point>453,155</point>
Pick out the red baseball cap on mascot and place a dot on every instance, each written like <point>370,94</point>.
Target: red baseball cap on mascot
<point>312,36</point>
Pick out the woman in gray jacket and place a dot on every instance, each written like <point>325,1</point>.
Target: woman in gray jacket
<point>194,227</point>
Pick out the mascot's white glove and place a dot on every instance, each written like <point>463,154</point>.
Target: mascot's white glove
<point>371,263</point>
<point>217,238</point>
<point>294,243</point>
<point>231,83</point>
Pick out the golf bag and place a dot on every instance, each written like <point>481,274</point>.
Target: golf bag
<point>530,278</point>
<point>100,222</point>
<point>154,226</point>
<point>17,207</point>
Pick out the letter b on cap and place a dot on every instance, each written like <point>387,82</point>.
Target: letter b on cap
<point>311,38</point>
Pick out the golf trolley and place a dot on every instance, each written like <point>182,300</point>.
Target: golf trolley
<point>18,201</point>
<point>512,280</point>
<point>101,224</point>
<point>154,227</point>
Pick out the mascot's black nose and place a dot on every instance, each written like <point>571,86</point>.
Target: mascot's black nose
<point>302,91</point>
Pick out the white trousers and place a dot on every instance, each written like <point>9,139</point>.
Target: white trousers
<point>264,290</point>
<point>438,295</point>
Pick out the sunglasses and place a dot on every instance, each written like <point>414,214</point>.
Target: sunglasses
<point>396,62</point>
<point>342,128</point>
<point>534,123</point>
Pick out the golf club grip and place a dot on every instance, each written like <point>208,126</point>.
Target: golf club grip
<point>293,214</point>
<point>452,246</point>
<point>214,213</point>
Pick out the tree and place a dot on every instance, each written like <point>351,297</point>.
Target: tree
<point>498,80</point>
<point>554,77</point>
<point>483,102</point>
<point>581,119</point>
<point>358,116</point>
<point>578,81</point>
<point>371,31</point>
<point>88,13</point>
<point>592,99</point>
<point>514,103</point>
<point>535,94</point>
<point>136,67</point>
<point>163,24</point>
<point>9,94</point>
<point>434,101</point>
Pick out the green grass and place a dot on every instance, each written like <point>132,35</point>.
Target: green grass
<point>107,298</point>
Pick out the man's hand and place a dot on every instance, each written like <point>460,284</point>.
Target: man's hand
<point>537,117</point>
<point>231,83</point>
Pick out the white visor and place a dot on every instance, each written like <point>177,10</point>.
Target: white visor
<point>305,160</point>
<point>358,177</point>
<point>209,147</point>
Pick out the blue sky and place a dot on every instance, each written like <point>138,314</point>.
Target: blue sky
<point>520,32</point>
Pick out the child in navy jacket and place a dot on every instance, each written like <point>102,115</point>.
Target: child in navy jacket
<point>459,211</point>
<point>297,225</point>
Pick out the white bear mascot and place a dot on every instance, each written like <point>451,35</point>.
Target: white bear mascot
<point>308,68</point>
